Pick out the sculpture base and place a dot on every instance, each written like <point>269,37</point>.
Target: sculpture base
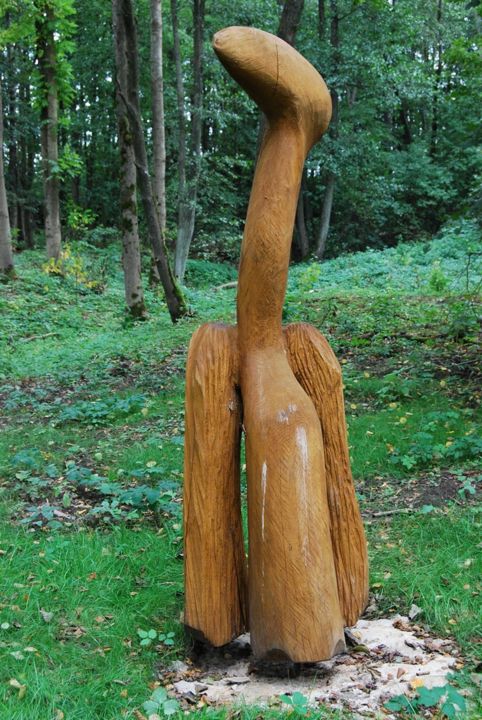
<point>275,662</point>
<point>396,654</point>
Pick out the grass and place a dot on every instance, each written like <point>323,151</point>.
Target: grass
<point>95,591</point>
<point>92,413</point>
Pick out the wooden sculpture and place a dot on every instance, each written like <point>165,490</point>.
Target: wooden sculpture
<point>307,573</point>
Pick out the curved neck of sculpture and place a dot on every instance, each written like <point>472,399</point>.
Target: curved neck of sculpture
<point>265,252</point>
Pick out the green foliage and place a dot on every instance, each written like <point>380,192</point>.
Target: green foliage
<point>90,507</point>
<point>438,281</point>
<point>78,220</point>
<point>159,703</point>
<point>69,166</point>
<point>297,702</point>
<point>446,698</point>
<point>99,412</point>
<point>70,265</point>
<point>425,449</point>
<point>405,152</point>
<point>206,274</point>
<point>149,636</point>
<point>63,28</point>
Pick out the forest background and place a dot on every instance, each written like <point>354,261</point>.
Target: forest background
<point>402,155</point>
<point>92,401</point>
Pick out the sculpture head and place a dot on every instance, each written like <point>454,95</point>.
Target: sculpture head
<point>279,80</point>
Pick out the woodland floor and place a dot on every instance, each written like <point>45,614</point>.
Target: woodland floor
<point>91,439</point>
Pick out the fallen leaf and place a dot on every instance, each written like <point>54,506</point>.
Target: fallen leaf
<point>414,612</point>
<point>17,655</point>
<point>46,615</point>
<point>416,683</point>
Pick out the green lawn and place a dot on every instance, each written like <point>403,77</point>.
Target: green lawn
<point>91,421</point>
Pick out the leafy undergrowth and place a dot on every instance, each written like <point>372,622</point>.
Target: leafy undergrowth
<point>91,421</point>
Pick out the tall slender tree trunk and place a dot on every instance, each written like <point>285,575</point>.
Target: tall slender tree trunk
<point>326,215</point>
<point>158,128</point>
<point>290,20</point>
<point>330,180</point>
<point>181,110</point>
<point>301,244</point>
<point>6,255</point>
<point>287,29</point>
<point>47,61</point>
<point>437,83</point>
<point>12,144</point>
<point>25,179</point>
<point>131,255</point>
<point>30,150</point>
<point>321,18</point>
<point>175,300</point>
<point>191,162</point>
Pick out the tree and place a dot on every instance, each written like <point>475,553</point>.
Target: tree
<point>175,300</point>
<point>6,256</point>
<point>288,26</point>
<point>46,50</point>
<point>401,156</point>
<point>158,129</point>
<point>330,175</point>
<point>189,160</point>
<point>290,20</point>
<point>131,256</point>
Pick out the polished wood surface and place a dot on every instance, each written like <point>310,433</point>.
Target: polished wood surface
<point>307,553</point>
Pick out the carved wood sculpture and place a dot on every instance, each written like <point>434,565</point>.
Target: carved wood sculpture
<point>307,552</point>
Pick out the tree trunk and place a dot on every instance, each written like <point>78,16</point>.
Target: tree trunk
<point>437,84</point>
<point>301,244</point>
<point>6,256</point>
<point>189,163</point>
<point>174,297</point>
<point>327,205</point>
<point>287,29</point>
<point>405,123</point>
<point>290,20</point>
<point>131,256</point>
<point>47,62</point>
<point>326,215</point>
<point>321,18</point>
<point>25,178</point>
<point>12,144</point>
<point>30,150</point>
<point>158,129</point>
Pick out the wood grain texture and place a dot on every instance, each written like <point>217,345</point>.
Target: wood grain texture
<point>215,566</point>
<point>319,374</point>
<point>307,555</point>
<point>293,600</point>
<point>294,610</point>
